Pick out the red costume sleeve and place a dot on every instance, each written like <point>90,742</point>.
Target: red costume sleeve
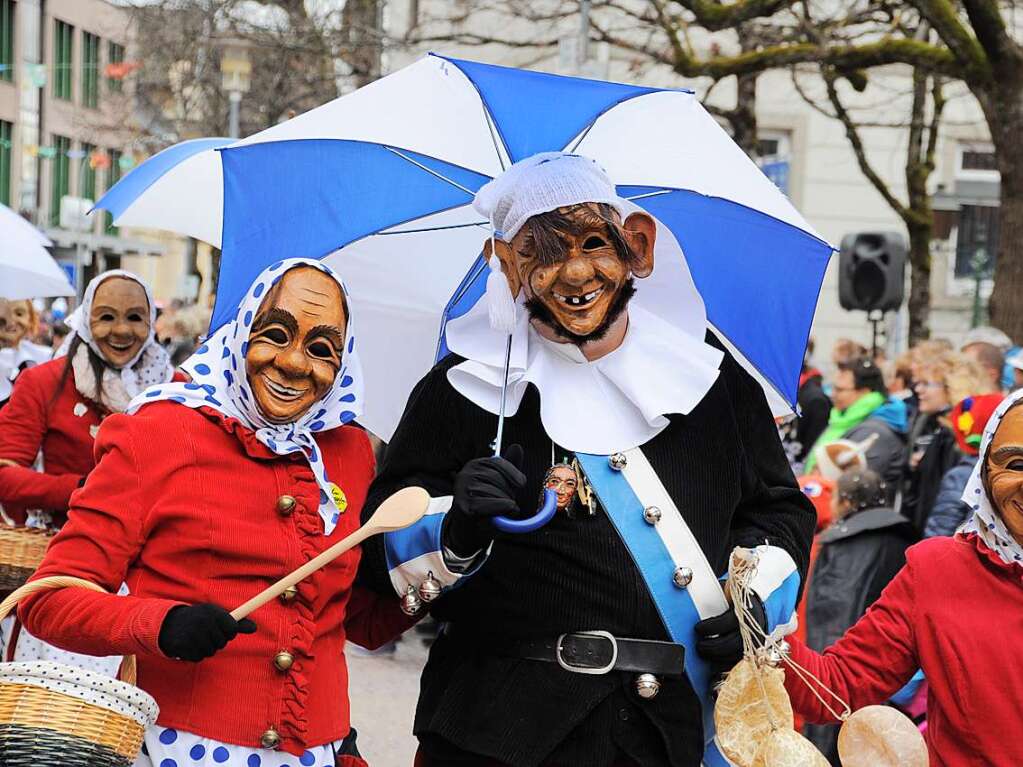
<point>107,525</point>
<point>372,620</point>
<point>872,662</point>
<point>22,426</point>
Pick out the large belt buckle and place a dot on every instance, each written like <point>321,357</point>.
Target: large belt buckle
<point>582,670</point>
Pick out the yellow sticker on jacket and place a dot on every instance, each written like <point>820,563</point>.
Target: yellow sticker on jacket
<point>339,497</point>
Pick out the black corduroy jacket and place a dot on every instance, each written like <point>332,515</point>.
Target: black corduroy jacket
<point>725,468</point>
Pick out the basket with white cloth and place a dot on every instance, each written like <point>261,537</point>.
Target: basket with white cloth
<point>51,713</point>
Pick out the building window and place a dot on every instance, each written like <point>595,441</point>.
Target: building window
<point>87,183</point>
<point>977,239</point>
<point>113,176</point>
<point>6,152</point>
<point>115,72</point>
<point>63,61</point>
<point>7,40</point>
<point>774,150</point>
<point>90,70</point>
<point>973,159</point>
<point>60,176</point>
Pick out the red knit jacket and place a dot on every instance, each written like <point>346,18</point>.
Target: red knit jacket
<point>956,611</point>
<point>38,417</point>
<point>183,507</point>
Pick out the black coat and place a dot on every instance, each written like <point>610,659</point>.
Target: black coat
<point>815,410</point>
<point>723,465</point>
<point>940,453</point>
<point>858,557</point>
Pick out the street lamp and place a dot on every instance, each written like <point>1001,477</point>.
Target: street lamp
<point>236,76</point>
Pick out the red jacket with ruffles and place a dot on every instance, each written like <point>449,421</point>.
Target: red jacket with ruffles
<point>60,423</point>
<point>183,507</point>
<point>956,611</point>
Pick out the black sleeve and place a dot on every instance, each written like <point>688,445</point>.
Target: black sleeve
<point>428,449</point>
<point>816,409</point>
<point>772,508</point>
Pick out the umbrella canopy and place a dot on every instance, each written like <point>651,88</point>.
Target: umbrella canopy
<point>379,182</point>
<point>27,270</point>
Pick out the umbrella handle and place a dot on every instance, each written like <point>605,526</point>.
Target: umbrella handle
<point>535,522</point>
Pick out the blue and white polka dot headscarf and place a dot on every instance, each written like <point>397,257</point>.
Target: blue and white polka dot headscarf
<point>217,369</point>
<point>985,520</point>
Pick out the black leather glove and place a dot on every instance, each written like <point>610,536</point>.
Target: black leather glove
<point>196,632</point>
<point>485,488</point>
<point>718,639</point>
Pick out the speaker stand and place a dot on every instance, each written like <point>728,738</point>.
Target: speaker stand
<point>875,317</point>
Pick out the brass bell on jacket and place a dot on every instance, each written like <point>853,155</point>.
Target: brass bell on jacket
<point>646,686</point>
<point>682,577</point>
<point>284,660</point>
<point>651,515</point>
<point>617,461</point>
<point>270,739</point>
<point>411,604</point>
<point>429,589</point>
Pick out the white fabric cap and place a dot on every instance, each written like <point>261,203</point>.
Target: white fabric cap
<point>985,334</point>
<point>540,184</point>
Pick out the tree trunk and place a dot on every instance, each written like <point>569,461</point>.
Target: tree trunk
<point>743,118</point>
<point>1006,123</point>
<point>919,304</point>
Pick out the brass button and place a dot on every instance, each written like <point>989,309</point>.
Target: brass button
<point>270,739</point>
<point>285,505</point>
<point>284,660</point>
<point>289,594</point>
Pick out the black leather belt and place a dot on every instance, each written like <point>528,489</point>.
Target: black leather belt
<point>592,652</point>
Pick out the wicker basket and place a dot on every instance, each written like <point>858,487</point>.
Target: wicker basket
<point>21,551</point>
<point>53,714</point>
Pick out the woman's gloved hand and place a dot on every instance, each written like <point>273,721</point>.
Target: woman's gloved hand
<point>485,488</point>
<point>196,632</point>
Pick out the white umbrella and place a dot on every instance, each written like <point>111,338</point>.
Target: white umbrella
<point>27,270</point>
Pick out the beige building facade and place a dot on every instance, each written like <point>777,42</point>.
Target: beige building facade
<point>68,133</point>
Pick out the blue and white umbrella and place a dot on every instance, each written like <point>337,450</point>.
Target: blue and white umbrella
<point>380,184</point>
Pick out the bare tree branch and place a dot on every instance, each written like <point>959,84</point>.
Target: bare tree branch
<point>856,142</point>
<point>716,16</point>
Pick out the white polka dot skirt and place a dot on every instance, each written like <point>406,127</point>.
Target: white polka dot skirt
<point>29,648</point>
<point>165,747</point>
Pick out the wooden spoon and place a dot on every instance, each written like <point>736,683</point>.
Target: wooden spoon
<point>404,508</point>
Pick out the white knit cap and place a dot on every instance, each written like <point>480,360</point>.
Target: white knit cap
<point>540,184</point>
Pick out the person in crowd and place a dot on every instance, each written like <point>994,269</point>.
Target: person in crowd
<point>944,379</point>
<point>967,420</point>
<point>990,335</point>
<point>845,350</point>
<point>859,553</point>
<point>265,470</point>
<point>953,611</point>
<point>56,407</point>
<point>898,379</point>
<point>990,359</point>
<point>19,322</point>
<point>814,406</point>
<point>800,433</point>
<point>1014,362</point>
<point>58,335</point>
<point>862,409</point>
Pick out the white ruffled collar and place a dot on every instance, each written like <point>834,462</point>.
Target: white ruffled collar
<point>611,404</point>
